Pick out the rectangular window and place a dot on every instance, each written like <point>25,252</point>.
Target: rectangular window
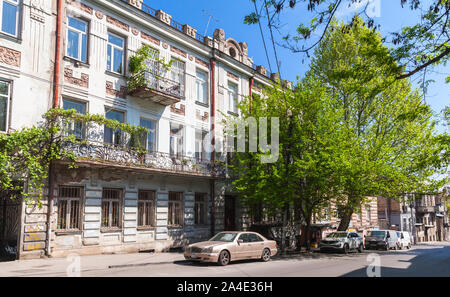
<point>115,53</point>
<point>149,140</point>
<point>111,208</point>
<point>75,128</point>
<point>177,72</point>
<point>368,213</point>
<point>110,136</point>
<point>9,10</point>
<point>200,153</point>
<point>77,39</point>
<point>4,103</point>
<point>154,71</point>
<point>69,208</point>
<point>176,140</point>
<point>201,86</point>
<point>200,209</point>
<point>176,211</point>
<point>146,209</point>
<point>232,97</point>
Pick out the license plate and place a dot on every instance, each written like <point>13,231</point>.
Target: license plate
<point>194,256</point>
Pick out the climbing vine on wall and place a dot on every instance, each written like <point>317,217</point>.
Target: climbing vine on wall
<point>26,155</point>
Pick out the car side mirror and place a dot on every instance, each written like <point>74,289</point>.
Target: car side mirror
<point>240,241</point>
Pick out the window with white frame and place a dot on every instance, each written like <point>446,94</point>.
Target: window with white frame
<point>77,39</point>
<point>75,128</point>
<point>9,11</point>
<point>176,140</point>
<point>4,104</point>
<point>111,208</point>
<point>232,97</point>
<point>149,139</point>
<point>115,53</point>
<point>146,208</point>
<point>368,213</point>
<point>154,71</point>
<point>177,72</point>
<point>176,212</point>
<point>110,135</point>
<point>200,153</point>
<point>200,209</point>
<point>201,86</point>
<point>69,208</point>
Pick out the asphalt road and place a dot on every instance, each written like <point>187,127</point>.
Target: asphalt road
<point>421,260</point>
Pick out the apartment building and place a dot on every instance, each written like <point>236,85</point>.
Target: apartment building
<point>425,216</point>
<point>115,201</point>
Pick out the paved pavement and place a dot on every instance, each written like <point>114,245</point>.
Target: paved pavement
<point>423,260</point>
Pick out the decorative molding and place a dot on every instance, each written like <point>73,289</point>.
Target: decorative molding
<point>122,93</point>
<point>233,76</point>
<point>99,14</point>
<point>81,6</point>
<point>117,23</point>
<point>136,3</point>
<point>201,62</point>
<point>180,111</point>
<point>190,31</point>
<point>201,117</point>
<point>10,56</point>
<point>178,51</point>
<point>82,82</point>
<point>150,38</point>
<point>165,45</point>
<point>164,17</point>
<point>135,31</point>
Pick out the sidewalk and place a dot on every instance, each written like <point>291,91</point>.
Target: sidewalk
<point>60,266</point>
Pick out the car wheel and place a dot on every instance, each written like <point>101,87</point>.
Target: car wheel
<point>345,249</point>
<point>361,248</point>
<point>265,255</point>
<point>224,258</point>
<point>409,246</point>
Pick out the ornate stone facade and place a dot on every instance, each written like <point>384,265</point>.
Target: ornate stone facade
<point>82,82</point>
<point>10,56</point>
<point>117,23</point>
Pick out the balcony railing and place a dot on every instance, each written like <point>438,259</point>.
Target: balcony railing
<point>425,209</point>
<point>158,88</point>
<point>124,156</point>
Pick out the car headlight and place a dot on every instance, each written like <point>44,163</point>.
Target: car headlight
<point>207,250</point>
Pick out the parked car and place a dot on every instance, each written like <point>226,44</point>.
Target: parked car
<point>381,239</point>
<point>404,240</point>
<point>342,241</point>
<point>225,247</point>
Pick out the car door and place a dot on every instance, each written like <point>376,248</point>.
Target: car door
<point>243,246</point>
<point>256,245</point>
<point>351,240</point>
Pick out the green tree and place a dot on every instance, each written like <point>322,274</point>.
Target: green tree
<point>386,136</point>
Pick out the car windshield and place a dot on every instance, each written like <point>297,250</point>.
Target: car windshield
<point>337,235</point>
<point>227,237</point>
<point>379,234</point>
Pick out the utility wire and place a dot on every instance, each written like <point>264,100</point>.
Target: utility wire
<point>262,35</point>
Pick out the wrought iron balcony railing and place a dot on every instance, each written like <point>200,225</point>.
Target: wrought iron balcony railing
<point>123,156</point>
<point>158,88</point>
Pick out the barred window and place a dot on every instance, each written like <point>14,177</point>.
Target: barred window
<point>146,208</point>
<point>69,208</point>
<point>200,209</point>
<point>111,206</point>
<point>176,205</point>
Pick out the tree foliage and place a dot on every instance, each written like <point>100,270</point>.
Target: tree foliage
<point>26,155</point>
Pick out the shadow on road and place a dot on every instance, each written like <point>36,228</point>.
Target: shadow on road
<point>428,262</point>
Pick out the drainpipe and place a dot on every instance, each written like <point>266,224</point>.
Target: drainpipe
<point>213,142</point>
<point>55,105</point>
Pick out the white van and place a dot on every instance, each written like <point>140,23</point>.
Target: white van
<point>404,240</point>
<point>381,239</point>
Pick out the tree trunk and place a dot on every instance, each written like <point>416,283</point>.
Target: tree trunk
<point>283,229</point>
<point>346,217</point>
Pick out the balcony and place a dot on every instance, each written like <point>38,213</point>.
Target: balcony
<point>425,209</point>
<point>95,153</point>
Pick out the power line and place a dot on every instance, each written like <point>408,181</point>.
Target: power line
<point>263,39</point>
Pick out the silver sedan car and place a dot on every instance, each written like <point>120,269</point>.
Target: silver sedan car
<point>225,247</point>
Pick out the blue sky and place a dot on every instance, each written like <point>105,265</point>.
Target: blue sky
<point>229,15</point>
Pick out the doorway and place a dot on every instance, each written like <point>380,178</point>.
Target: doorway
<point>230,213</point>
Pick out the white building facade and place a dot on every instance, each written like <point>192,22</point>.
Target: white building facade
<point>116,201</point>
